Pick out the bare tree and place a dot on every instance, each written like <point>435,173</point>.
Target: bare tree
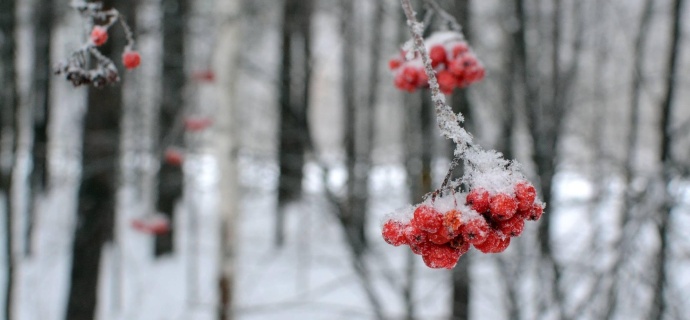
<point>8,103</point>
<point>96,206</point>
<point>660,303</point>
<point>295,75</point>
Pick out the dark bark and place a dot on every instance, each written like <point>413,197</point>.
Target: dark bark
<point>174,79</point>
<point>96,205</point>
<point>295,74</point>
<point>660,306</point>
<point>461,103</point>
<point>8,105</point>
<point>40,100</point>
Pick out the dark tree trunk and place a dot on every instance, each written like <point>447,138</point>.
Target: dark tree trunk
<point>41,99</point>
<point>295,74</point>
<point>170,175</point>
<point>8,104</point>
<point>96,206</point>
<point>659,306</point>
<point>461,103</point>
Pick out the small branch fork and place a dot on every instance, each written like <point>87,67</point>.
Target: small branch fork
<point>105,72</point>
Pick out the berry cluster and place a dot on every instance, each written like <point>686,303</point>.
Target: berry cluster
<point>443,229</point>
<point>75,68</point>
<point>455,65</point>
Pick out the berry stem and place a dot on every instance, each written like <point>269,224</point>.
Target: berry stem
<point>448,122</point>
<point>447,17</point>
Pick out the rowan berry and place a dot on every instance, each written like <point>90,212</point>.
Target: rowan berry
<point>446,81</point>
<point>525,194</point>
<point>459,49</point>
<point>512,227</point>
<point>536,212</point>
<point>437,55</point>
<point>173,157</point>
<point>131,59</point>
<point>440,256</point>
<point>394,63</point>
<point>99,35</point>
<point>393,232</point>
<point>502,207</point>
<point>476,231</point>
<point>478,199</point>
<point>427,218</point>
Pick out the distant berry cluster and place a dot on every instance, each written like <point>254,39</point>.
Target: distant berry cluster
<point>443,229</point>
<point>455,65</point>
<point>76,68</point>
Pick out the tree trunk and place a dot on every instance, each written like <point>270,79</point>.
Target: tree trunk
<point>295,74</point>
<point>96,206</point>
<point>461,103</point>
<point>227,56</point>
<point>171,110</point>
<point>659,306</point>
<point>8,103</point>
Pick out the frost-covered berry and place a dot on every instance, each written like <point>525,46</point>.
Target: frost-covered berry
<point>452,222</point>
<point>495,242</point>
<point>536,212</point>
<point>476,231</point>
<point>446,81</point>
<point>416,238</point>
<point>512,227</point>
<point>525,194</point>
<point>440,256</point>
<point>131,59</point>
<point>437,55</point>
<point>99,35</point>
<point>478,199</point>
<point>502,207</point>
<point>393,232</point>
<point>457,68</point>
<point>459,49</point>
<point>460,244</point>
<point>427,218</point>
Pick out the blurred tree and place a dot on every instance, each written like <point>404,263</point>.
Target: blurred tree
<point>96,207</point>
<point>295,79</point>
<point>8,104</point>
<point>171,109</point>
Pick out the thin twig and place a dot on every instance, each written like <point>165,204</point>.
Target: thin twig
<point>447,17</point>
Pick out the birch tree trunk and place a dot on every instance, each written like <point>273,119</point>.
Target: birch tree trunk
<point>226,57</point>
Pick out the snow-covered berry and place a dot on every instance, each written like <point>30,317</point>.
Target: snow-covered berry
<point>99,35</point>
<point>502,207</point>
<point>393,232</point>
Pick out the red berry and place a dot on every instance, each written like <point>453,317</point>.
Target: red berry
<point>423,79</point>
<point>494,243</point>
<point>456,67</point>
<point>393,232</point>
<point>536,212</point>
<point>476,231</point>
<point>197,124</point>
<point>459,49</point>
<point>427,218</point>
<point>459,243</point>
<point>394,63</point>
<point>410,74</point>
<point>512,227</point>
<point>99,35</point>
<point>446,81</point>
<point>478,199</point>
<point>131,59</point>
<point>204,76</point>
<point>525,194</point>
<point>437,55</point>
<point>452,222</point>
<point>173,157</point>
<point>502,207</point>
<point>416,238</point>
<point>440,256</point>
<point>440,237</point>
<point>402,84</point>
